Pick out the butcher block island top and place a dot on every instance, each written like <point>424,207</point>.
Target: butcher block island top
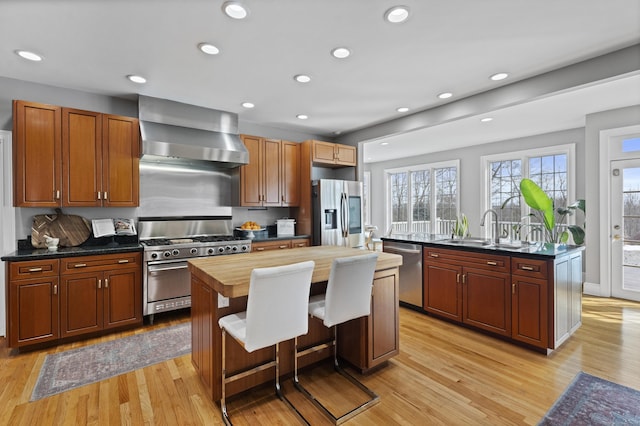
<point>230,275</point>
<point>367,343</point>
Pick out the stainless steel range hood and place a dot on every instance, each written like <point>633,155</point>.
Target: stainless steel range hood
<point>173,130</point>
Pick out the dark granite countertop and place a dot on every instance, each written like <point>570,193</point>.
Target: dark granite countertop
<point>531,249</point>
<point>93,246</point>
<point>284,237</point>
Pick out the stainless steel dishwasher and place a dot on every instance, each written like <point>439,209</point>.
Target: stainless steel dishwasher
<point>410,271</point>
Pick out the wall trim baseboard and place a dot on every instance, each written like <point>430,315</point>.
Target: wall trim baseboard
<point>593,289</point>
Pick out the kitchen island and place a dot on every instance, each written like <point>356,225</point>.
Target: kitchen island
<point>530,294</point>
<point>219,287</point>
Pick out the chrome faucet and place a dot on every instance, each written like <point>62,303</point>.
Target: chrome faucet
<point>496,233</point>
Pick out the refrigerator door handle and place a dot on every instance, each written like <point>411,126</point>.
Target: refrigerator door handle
<point>344,215</point>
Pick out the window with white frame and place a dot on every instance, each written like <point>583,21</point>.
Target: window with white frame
<point>423,198</point>
<point>552,168</point>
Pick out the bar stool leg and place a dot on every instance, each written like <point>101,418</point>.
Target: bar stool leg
<point>223,403</point>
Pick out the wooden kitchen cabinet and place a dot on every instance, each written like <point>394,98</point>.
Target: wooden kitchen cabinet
<point>271,179</point>
<point>380,329</point>
<point>71,158</point>
<point>32,305</point>
<point>333,154</point>
<point>472,288</point>
<point>100,292</point>
<point>280,244</point>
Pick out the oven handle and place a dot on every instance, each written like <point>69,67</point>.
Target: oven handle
<point>171,268</point>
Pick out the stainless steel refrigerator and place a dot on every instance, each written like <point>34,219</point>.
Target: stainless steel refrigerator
<point>337,213</point>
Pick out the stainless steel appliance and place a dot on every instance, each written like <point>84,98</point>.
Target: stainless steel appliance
<point>337,213</point>
<point>410,271</point>
<point>169,242</point>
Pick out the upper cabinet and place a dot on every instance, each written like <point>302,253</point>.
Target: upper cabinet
<point>73,158</point>
<point>272,177</point>
<point>333,154</point>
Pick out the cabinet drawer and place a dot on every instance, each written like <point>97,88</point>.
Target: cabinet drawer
<point>534,268</point>
<point>487,261</point>
<point>103,262</point>
<point>299,243</point>
<point>33,269</point>
<point>270,245</point>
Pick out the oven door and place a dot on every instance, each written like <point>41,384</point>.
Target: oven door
<point>167,280</point>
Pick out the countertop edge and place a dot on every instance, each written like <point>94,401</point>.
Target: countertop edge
<point>39,254</point>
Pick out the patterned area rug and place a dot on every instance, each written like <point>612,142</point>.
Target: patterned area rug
<point>77,367</point>
<point>590,400</point>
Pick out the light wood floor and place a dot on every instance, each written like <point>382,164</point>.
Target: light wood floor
<point>444,375</point>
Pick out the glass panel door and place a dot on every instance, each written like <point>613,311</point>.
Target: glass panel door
<point>625,229</point>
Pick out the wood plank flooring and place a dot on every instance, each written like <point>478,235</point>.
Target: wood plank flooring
<point>444,375</point>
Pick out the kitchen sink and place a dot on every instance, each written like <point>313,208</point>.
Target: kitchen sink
<point>467,241</point>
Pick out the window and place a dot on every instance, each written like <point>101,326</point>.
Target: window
<point>551,168</point>
<point>423,198</point>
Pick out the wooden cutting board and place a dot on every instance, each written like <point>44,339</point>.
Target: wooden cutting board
<point>71,229</point>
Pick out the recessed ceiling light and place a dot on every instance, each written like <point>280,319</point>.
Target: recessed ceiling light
<point>208,48</point>
<point>337,132</point>
<point>486,119</point>
<point>302,116</point>
<point>445,95</point>
<point>235,10</point>
<point>499,76</point>
<point>384,143</point>
<point>397,14</point>
<point>302,78</point>
<point>137,79</point>
<point>402,109</point>
<point>247,105</point>
<point>25,54</point>
<point>341,52</point>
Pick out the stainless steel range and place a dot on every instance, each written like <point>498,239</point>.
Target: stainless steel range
<point>169,242</point>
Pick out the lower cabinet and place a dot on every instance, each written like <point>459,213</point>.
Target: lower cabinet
<point>534,301</point>
<point>60,298</point>
<point>380,330</point>
<point>279,244</point>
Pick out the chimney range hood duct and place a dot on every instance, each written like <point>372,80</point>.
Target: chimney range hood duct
<point>173,130</point>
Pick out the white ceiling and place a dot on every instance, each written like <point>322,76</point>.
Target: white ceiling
<point>451,45</point>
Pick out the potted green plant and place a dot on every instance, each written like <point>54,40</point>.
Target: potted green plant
<point>461,227</point>
<point>552,218</point>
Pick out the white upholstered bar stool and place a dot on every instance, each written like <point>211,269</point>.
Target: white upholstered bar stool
<point>348,297</point>
<point>277,310</point>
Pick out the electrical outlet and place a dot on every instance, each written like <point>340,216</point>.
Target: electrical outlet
<point>223,302</point>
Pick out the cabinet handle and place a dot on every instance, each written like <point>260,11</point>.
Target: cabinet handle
<point>57,196</point>
<point>104,195</point>
<point>283,200</point>
<point>99,283</point>
<point>259,248</point>
<point>513,288</point>
<point>434,255</point>
<point>492,263</point>
<point>283,247</point>
<point>99,195</point>
<point>526,268</point>
<point>457,278</point>
<point>464,278</point>
<point>80,265</point>
<point>35,269</point>
<point>123,261</point>
<point>55,289</point>
<point>106,283</point>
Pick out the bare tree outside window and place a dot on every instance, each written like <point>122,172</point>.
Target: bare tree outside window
<point>399,199</point>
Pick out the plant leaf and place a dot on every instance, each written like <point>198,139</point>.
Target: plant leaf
<point>537,199</point>
<point>577,233</point>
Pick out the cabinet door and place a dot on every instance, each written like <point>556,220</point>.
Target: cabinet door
<point>442,292</point>
<point>271,173</point>
<point>323,152</point>
<point>81,304</point>
<point>122,298</point>
<point>37,171</point>
<point>290,176</point>
<point>346,155</point>
<point>530,310</point>
<point>251,174</point>
<point>384,340</point>
<point>81,158</point>
<point>33,311</point>
<point>487,300</point>
<point>121,157</point>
